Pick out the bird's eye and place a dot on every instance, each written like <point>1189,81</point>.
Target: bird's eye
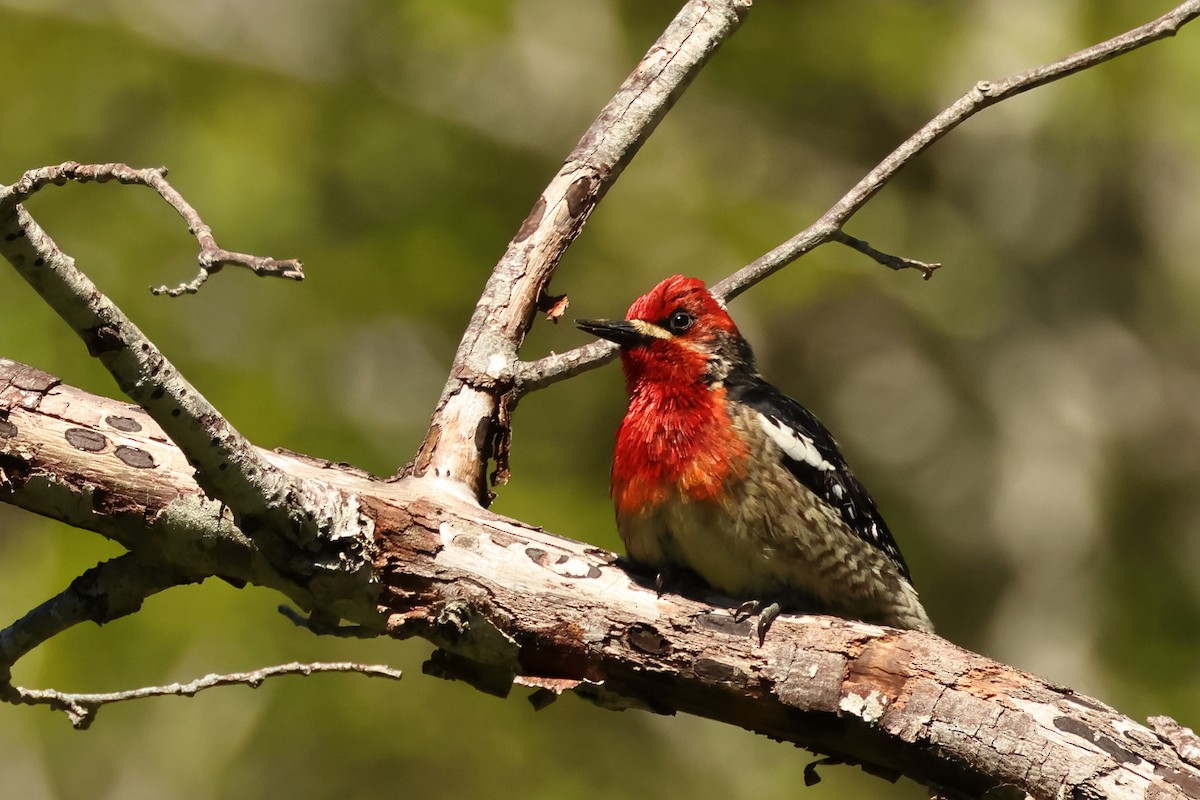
<point>680,321</point>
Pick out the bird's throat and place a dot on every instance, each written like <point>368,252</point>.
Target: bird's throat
<point>674,443</point>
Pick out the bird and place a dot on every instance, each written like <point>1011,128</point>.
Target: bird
<point>718,473</point>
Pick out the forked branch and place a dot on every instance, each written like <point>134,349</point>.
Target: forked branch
<point>211,257</point>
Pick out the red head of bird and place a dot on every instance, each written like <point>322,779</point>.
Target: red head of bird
<point>678,345</point>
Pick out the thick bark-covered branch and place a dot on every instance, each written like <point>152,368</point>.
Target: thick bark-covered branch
<point>507,604</point>
<point>510,604</point>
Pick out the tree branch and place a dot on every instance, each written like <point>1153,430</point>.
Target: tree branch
<point>475,401</point>
<point>82,708</point>
<point>887,259</point>
<point>106,592</point>
<point>551,369</point>
<point>296,522</point>
<point>106,466</point>
<point>509,604</point>
<point>982,95</point>
<point>506,603</point>
<point>211,257</point>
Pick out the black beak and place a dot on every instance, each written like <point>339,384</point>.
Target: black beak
<point>615,330</point>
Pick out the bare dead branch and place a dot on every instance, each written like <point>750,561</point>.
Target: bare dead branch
<point>128,462</point>
<point>551,369</point>
<point>211,257</point>
<point>982,95</point>
<point>284,514</point>
<point>888,260</point>
<point>485,367</point>
<point>534,375</point>
<point>513,605</point>
<point>82,708</point>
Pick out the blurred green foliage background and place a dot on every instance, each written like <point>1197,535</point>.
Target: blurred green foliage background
<point>1027,420</point>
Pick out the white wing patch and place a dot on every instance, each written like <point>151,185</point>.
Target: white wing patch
<point>796,445</point>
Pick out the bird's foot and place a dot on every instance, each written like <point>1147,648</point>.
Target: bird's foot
<point>766,615</point>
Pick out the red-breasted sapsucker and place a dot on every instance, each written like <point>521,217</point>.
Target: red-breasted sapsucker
<point>718,471</point>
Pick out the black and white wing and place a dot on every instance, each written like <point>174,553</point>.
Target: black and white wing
<point>811,454</point>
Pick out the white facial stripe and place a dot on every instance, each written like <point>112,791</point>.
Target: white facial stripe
<point>650,329</point>
<point>795,444</point>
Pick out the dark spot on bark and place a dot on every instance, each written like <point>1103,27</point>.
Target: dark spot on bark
<point>532,221</point>
<point>175,412</point>
<point>126,424</point>
<point>713,670</point>
<point>647,639</point>
<point>82,439</point>
<point>7,429</point>
<point>133,457</point>
<point>602,555</point>
<point>158,393</point>
<point>467,541</point>
<point>37,262</point>
<point>536,555</point>
<point>1085,702</point>
<point>1185,780</point>
<point>102,339</point>
<point>594,572</point>
<point>579,196</point>
<point>1102,740</point>
<point>723,622</point>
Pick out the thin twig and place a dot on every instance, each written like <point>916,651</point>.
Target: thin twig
<point>982,94</point>
<point>211,257</point>
<point>534,375</point>
<point>887,259</point>
<point>81,709</point>
<point>547,371</point>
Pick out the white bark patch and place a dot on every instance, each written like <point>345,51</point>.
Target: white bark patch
<point>495,365</point>
<point>868,709</point>
<point>796,445</point>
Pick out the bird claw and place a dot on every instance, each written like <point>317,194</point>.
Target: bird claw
<point>745,609</point>
<point>766,615</point>
<point>765,618</point>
